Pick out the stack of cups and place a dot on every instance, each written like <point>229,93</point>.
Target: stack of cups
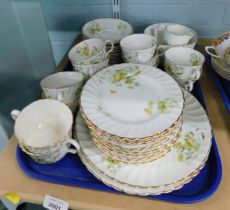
<point>64,87</point>
<point>90,56</point>
<point>140,49</point>
<point>43,130</point>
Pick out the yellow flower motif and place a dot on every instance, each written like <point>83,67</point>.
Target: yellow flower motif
<point>148,112</point>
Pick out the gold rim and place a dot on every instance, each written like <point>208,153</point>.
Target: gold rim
<point>131,141</point>
<point>178,183</point>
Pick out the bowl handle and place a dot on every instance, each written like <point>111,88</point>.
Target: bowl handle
<point>210,53</point>
<point>14,114</point>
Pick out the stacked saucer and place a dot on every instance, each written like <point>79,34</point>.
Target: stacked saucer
<point>221,68</point>
<point>133,112</point>
<point>109,29</point>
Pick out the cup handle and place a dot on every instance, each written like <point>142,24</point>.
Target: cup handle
<point>197,73</point>
<point>210,53</point>
<point>111,49</point>
<point>142,58</point>
<point>14,114</point>
<point>75,144</point>
<point>188,85</point>
<point>60,95</point>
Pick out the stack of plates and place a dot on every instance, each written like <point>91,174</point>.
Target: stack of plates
<point>221,68</point>
<point>164,175</point>
<point>109,29</point>
<point>133,112</point>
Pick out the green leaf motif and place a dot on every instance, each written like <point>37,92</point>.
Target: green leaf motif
<point>94,29</point>
<point>150,104</point>
<point>113,92</point>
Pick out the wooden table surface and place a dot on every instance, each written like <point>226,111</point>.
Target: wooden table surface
<point>12,179</point>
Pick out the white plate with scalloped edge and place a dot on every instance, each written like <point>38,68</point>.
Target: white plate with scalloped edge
<point>163,175</point>
<point>132,100</point>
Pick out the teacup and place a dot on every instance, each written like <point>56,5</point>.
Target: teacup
<point>138,48</point>
<point>184,65</point>
<point>89,52</point>
<point>43,130</point>
<point>90,70</point>
<point>221,45</point>
<point>62,86</point>
<point>177,35</point>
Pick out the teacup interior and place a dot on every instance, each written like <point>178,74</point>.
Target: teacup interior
<point>61,80</point>
<point>43,123</point>
<point>184,56</point>
<point>179,30</point>
<point>138,41</point>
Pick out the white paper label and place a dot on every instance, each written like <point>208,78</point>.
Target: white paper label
<point>52,203</point>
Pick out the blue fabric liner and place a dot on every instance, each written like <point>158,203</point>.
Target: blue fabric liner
<point>71,171</point>
<point>222,84</point>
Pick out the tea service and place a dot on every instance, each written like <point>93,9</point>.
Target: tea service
<point>132,116</point>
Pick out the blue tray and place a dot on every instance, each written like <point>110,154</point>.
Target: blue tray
<point>71,171</point>
<point>222,84</point>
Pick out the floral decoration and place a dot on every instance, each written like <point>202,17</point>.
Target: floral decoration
<point>94,28</point>
<point>173,69</point>
<point>187,148</point>
<point>126,76</point>
<point>195,59</point>
<point>112,165</point>
<point>221,38</point>
<point>122,26</point>
<point>85,51</point>
<point>162,106</point>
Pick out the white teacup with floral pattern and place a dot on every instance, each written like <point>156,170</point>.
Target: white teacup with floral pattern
<point>177,35</point>
<point>221,45</point>
<point>138,48</point>
<point>184,65</point>
<point>62,86</point>
<point>42,129</point>
<point>90,70</point>
<point>89,52</point>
